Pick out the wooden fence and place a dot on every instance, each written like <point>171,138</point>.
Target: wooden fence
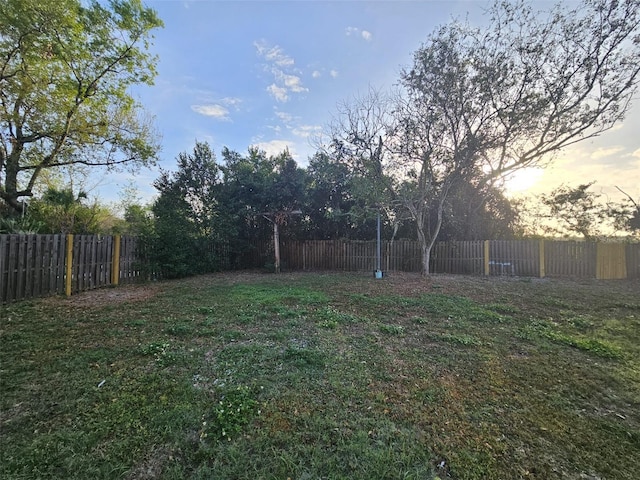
<point>529,258</point>
<point>44,265</point>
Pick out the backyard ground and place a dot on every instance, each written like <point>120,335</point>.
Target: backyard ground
<point>324,376</point>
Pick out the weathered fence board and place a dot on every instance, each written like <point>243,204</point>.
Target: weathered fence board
<point>633,260</point>
<point>131,268</point>
<point>514,257</point>
<point>611,261</point>
<point>570,259</point>
<point>31,266</point>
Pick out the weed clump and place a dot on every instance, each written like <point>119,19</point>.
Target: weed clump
<point>235,409</point>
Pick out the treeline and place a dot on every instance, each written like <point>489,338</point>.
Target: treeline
<point>238,198</point>
<point>207,203</point>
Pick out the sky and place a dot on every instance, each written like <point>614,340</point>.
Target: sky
<point>271,74</point>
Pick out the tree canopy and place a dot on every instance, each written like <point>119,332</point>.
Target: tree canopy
<point>65,70</point>
<point>479,104</point>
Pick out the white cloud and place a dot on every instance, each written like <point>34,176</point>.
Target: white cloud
<point>315,74</point>
<point>285,117</point>
<point>306,131</point>
<point>349,30</point>
<point>231,101</point>
<point>333,73</point>
<point>273,54</point>
<point>636,153</point>
<point>279,93</point>
<point>216,111</point>
<point>365,34</point>
<point>281,67</point>
<point>276,147</point>
<point>605,152</point>
<point>292,82</point>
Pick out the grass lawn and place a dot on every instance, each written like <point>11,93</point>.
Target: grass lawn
<point>310,376</point>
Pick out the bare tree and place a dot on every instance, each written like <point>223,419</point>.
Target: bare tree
<point>359,137</point>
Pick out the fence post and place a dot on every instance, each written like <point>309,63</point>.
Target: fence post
<point>115,261</point>
<point>69,264</point>
<point>486,258</point>
<point>541,266</point>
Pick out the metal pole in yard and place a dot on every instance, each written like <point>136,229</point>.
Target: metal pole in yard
<point>378,245</point>
<point>378,272</point>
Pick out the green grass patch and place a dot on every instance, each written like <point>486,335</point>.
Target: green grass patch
<point>460,339</point>
<point>392,329</point>
<point>600,348</point>
<point>325,376</point>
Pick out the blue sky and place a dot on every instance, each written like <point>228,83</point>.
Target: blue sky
<point>270,73</point>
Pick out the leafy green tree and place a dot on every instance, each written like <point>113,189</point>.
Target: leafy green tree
<point>578,211</point>
<point>339,200</point>
<point>359,139</point>
<point>626,214</point>
<point>19,224</point>
<point>257,184</point>
<point>137,218</point>
<point>65,70</point>
<point>479,211</point>
<point>329,198</point>
<point>574,211</point>
<point>259,190</point>
<point>63,211</point>
<point>185,215</point>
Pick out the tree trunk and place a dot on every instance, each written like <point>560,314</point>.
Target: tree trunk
<point>426,236</point>
<point>425,249</point>
<point>9,191</point>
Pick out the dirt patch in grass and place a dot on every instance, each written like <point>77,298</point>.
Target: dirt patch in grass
<point>108,296</point>
<point>152,465</point>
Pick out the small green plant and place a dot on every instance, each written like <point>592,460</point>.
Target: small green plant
<point>235,409</point>
<point>391,329</point>
<point>328,324</point>
<point>304,358</point>
<point>332,316</point>
<point>160,352</point>
<point>502,308</point>
<point>179,330</point>
<point>581,322</point>
<point>460,339</point>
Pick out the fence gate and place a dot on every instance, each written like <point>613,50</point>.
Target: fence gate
<point>611,261</point>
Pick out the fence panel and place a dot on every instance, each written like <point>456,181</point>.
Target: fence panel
<point>34,265</point>
<point>92,262</point>
<point>633,260</point>
<point>458,257</point>
<point>514,257</point>
<point>359,256</point>
<point>131,260</point>
<point>291,253</point>
<point>31,266</point>
<point>610,261</point>
<point>570,259</point>
<point>401,255</point>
